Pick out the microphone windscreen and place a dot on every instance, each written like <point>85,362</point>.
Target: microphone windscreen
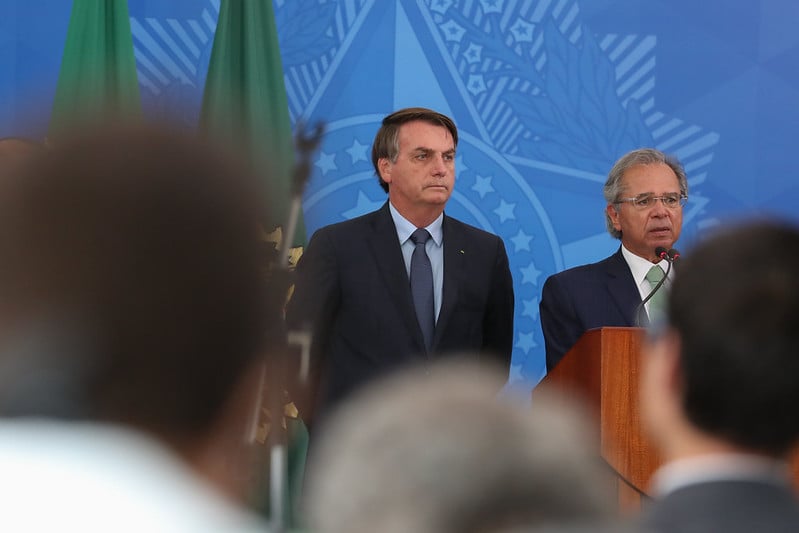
<point>661,252</point>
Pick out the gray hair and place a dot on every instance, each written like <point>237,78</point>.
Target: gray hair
<point>439,452</point>
<point>643,156</point>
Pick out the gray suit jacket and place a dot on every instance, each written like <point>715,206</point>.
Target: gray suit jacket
<point>745,506</point>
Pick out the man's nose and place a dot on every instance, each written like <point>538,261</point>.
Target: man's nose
<point>659,210</point>
<point>440,166</point>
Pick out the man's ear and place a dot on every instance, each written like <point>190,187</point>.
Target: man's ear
<point>385,166</point>
<point>660,388</point>
<point>614,216</point>
<point>672,364</point>
<point>662,395</point>
<point>223,454</point>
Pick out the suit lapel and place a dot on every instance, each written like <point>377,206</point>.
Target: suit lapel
<point>455,253</point>
<point>387,255</point>
<point>622,289</point>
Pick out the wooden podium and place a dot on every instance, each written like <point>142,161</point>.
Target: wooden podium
<point>603,370</point>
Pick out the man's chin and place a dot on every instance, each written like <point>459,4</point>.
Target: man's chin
<point>664,238</point>
<point>437,196</point>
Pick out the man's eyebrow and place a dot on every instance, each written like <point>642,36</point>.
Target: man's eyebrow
<point>431,151</point>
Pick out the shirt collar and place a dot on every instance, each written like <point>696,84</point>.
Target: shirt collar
<point>717,467</point>
<point>640,266</point>
<point>405,228</point>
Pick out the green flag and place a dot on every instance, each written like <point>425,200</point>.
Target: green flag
<point>245,101</point>
<point>98,79</point>
<point>245,105</point>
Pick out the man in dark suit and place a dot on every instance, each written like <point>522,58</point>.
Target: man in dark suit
<point>720,386</point>
<point>645,192</point>
<point>358,282</point>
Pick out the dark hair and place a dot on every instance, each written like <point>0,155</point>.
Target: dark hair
<point>735,305</point>
<point>15,149</point>
<point>145,243</point>
<point>386,143</point>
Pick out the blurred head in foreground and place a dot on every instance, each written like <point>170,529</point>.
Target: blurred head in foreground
<point>131,282</point>
<point>15,150</point>
<point>723,374</point>
<point>438,452</point>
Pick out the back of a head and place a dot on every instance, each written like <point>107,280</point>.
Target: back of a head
<point>131,255</point>
<point>15,150</point>
<point>438,452</point>
<point>735,305</point>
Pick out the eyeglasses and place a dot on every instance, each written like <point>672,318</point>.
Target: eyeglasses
<point>645,201</point>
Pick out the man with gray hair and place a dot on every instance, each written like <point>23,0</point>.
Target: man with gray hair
<point>438,452</point>
<point>645,193</point>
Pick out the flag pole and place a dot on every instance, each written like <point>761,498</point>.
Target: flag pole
<point>306,144</point>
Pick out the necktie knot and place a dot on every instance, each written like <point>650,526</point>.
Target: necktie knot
<point>655,274</point>
<point>420,236</point>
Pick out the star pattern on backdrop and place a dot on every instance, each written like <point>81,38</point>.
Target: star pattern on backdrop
<point>326,162</point>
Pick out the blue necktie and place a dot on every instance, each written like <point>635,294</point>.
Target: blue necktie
<point>422,287</point>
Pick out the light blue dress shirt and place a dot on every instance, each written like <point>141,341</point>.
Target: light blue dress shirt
<point>434,248</point>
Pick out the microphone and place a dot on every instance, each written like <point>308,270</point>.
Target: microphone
<point>670,256</point>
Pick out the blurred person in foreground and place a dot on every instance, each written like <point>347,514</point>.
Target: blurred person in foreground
<point>645,193</point>
<point>132,317</point>
<point>720,386</point>
<point>15,150</point>
<point>438,452</point>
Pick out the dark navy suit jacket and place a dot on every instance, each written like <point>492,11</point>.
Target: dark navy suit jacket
<point>740,506</point>
<point>353,290</point>
<point>587,297</point>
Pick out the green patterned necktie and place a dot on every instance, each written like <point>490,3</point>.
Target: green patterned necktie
<point>657,304</point>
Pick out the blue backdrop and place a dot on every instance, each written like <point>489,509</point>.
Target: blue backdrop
<point>546,93</point>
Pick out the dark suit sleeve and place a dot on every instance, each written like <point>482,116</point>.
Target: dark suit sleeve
<point>559,322</point>
<point>312,307</point>
<point>498,318</point>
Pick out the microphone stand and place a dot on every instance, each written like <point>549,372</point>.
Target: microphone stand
<point>275,373</point>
